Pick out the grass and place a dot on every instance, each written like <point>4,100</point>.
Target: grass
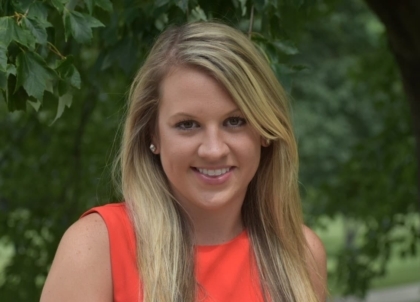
<point>399,271</point>
<point>6,252</point>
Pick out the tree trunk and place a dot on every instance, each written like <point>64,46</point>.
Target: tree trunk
<point>402,22</point>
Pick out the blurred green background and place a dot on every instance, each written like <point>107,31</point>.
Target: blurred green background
<point>65,69</point>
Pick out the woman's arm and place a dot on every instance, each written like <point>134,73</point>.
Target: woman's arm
<point>81,270</point>
<point>317,264</point>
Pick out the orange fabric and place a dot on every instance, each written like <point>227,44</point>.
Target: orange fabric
<point>225,273</point>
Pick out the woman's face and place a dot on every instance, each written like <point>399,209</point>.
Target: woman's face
<point>208,150</point>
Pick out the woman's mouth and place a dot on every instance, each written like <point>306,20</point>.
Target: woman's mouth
<point>213,172</point>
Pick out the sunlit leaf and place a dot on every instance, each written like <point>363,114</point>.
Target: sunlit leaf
<point>63,102</point>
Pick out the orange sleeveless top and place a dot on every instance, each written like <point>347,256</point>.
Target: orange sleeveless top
<point>225,273</point>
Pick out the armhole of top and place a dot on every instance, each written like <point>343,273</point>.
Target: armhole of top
<point>122,245</point>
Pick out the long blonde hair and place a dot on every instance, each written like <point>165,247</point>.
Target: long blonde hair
<point>271,210</point>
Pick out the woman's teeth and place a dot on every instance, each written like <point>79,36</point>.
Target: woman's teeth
<point>217,172</point>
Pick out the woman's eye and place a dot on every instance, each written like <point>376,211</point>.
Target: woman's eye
<point>186,125</point>
<point>235,121</point>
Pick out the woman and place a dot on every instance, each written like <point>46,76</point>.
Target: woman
<point>209,170</point>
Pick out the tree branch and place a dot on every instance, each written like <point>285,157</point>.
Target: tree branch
<point>251,23</point>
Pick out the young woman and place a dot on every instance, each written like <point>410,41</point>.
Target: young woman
<point>209,169</point>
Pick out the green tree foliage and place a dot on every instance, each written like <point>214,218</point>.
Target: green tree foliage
<point>69,63</point>
<point>356,143</point>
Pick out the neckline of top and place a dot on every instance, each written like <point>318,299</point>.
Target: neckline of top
<point>241,235</point>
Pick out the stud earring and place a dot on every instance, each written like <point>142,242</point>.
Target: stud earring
<point>152,148</point>
<point>267,142</point>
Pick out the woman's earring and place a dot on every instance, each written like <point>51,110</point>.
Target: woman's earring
<point>152,148</point>
<point>267,142</point>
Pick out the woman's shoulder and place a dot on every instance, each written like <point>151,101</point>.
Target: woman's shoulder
<point>314,243</point>
<point>317,263</point>
<point>81,270</point>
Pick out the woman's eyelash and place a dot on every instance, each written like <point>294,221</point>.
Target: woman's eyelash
<point>186,124</point>
<point>239,120</point>
<point>232,121</point>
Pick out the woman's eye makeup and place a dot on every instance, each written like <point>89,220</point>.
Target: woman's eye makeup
<point>186,125</point>
<point>235,121</point>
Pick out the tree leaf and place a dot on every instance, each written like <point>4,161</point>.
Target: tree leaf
<point>11,69</point>
<point>104,4</point>
<point>183,5</point>
<point>39,11</point>
<point>161,21</point>
<point>17,100</point>
<point>243,7</point>
<point>77,24</point>
<point>259,4</point>
<point>39,32</point>
<point>89,4</point>
<point>197,14</point>
<point>5,30</point>
<point>93,22</point>
<point>3,57</point>
<point>58,4</point>
<point>32,74</point>
<point>63,102</point>
<point>22,5</point>
<point>159,3</point>
<point>3,80</point>
<point>286,47</point>
<point>10,30</point>
<point>68,72</point>
<point>36,104</point>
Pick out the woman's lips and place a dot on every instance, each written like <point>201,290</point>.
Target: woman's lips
<point>214,176</point>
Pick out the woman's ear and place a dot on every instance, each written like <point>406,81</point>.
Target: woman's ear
<point>154,145</point>
<point>265,142</point>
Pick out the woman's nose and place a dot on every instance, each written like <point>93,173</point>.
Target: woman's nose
<point>213,145</point>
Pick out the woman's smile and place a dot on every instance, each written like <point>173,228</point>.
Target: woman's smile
<point>213,172</point>
<point>214,177</point>
<point>208,150</point>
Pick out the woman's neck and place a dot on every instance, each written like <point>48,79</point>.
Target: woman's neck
<point>216,227</point>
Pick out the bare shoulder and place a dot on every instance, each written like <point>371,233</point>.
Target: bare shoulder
<point>81,270</point>
<point>317,263</point>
